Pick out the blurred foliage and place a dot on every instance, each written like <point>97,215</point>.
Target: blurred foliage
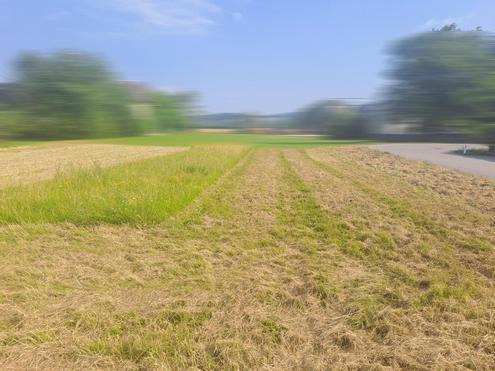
<point>9,124</point>
<point>441,82</point>
<point>171,112</point>
<point>444,81</point>
<point>334,118</point>
<point>71,95</point>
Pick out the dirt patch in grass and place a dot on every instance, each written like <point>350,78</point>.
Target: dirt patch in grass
<point>31,164</point>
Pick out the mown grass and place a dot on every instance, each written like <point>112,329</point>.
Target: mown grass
<point>143,192</point>
<point>281,264</point>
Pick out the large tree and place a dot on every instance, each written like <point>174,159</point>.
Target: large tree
<point>69,95</point>
<point>444,81</point>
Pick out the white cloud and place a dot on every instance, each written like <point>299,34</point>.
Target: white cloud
<point>170,15</point>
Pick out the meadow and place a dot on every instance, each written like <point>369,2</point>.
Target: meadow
<point>247,252</point>
<point>18,143</point>
<point>195,138</point>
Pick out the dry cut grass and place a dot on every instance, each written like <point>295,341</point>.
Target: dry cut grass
<point>292,260</point>
<point>29,164</point>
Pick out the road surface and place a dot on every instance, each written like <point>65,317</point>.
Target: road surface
<point>442,154</point>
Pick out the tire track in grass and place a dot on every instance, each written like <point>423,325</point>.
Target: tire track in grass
<point>269,266</point>
<point>319,276</point>
<point>236,231</point>
<point>419,302</point>
<point>235,228</point>
<point>276,292</point>
<point>356,320</point>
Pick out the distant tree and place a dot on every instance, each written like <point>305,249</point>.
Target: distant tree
<point>172,111</point>
<point>448,27</point>
<point>333,118</point>
<point>444,81</point>
<point>70,95</point>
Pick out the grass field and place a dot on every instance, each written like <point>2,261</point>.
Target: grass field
<point>250,255</point>
<point>17,143</point>
<point>191,138</point>
<point>253,140</point>
<point>143,192</point>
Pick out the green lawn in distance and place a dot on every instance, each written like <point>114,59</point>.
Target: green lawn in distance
<point>18,143</point>
<point>191,138</point>
<point>255,140</point>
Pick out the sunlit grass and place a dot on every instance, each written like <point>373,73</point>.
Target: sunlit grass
<point>256,140</point>
<point>193,138</point>
<point>144,192</point>
<point>285,249</point>
<point>18,143</point>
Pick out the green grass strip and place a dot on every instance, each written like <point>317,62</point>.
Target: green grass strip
<point>140,193</point>
<point>254,140</point>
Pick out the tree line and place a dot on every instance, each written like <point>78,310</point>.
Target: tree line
<point>439,82</point>
<point>72,95</point>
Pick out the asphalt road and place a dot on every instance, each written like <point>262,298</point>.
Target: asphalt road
<point>442,154</point>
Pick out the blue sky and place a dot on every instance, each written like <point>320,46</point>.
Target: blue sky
<point>265,56</point>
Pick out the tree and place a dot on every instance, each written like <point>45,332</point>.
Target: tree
<point>171,111</point>
<point>448,27</point>
<point>333,118</point>
<point>70,95</point>
<point>444,81</point>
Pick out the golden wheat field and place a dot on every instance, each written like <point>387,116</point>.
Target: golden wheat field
<point>268,258</point>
